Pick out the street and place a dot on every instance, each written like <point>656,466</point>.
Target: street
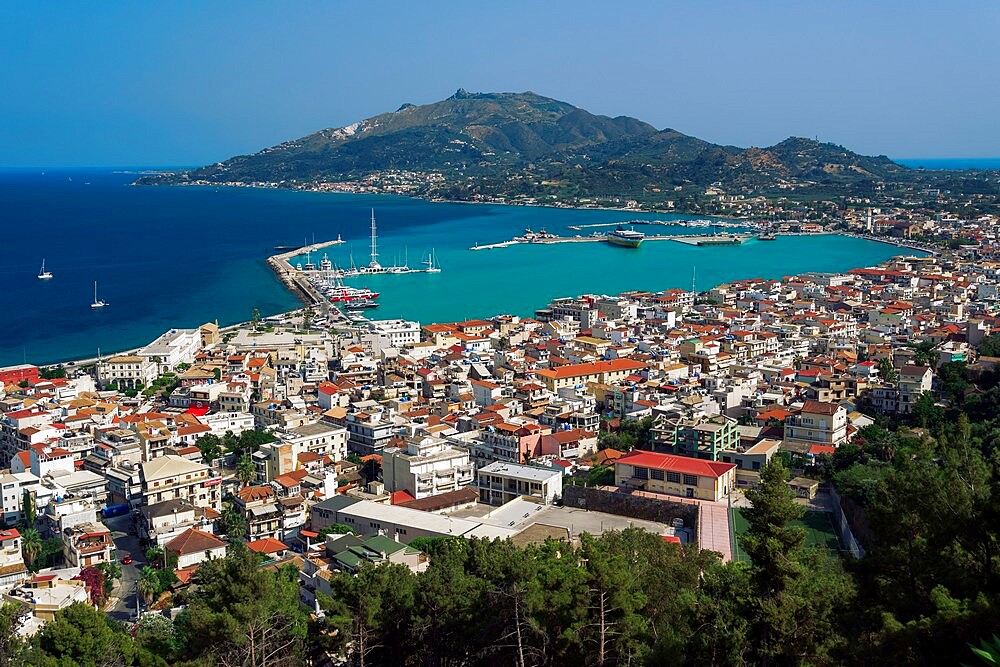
<point>123,596</point>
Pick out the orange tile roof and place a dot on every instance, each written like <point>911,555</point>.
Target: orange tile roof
<point>268,545</point>
<point>593,368</point>
<point>192,541</point>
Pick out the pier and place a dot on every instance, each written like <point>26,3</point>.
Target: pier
<point>687,239</point>
<point>662,223</point>
<point>294,280</point>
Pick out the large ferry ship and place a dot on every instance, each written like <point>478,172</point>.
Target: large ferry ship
<point>628,238</point>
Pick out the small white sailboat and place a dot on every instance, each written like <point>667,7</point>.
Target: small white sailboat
<point>431,263</point>
<point>97,302</point>
<point>43,274</point>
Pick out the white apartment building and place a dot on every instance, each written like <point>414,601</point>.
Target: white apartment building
<point>174,347</point>
<point>384,334</point>
<point>278,458</point>
<point>426,467</point>
<point>500,482</point>
<point>818,423</point>
<point>913,382</point>
<point>12,488</point>
<point>220,422</point>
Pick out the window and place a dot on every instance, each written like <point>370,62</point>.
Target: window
<point>674,477</point>
<point>656,474</point>
<point>640,473</point>
<point>691,480</point>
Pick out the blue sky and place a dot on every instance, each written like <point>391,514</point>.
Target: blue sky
<point>187,83</point>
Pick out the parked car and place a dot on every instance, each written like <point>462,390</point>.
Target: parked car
<point>127,559</point>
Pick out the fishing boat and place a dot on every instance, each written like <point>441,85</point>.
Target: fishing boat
<point>97,302</point>
<point>43,274</point>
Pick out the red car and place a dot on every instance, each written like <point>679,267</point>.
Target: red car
<point>127,559</point>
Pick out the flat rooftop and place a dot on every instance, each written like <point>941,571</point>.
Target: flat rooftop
<point>525,513</point>
<point>316,428</point>
<point>533,473</point>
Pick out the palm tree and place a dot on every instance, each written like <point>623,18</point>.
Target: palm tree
<point>148,584</point>
<point>233,520</point>
<point>31,545</point>
<point>246,471</point>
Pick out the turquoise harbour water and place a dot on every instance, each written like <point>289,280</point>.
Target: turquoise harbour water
<point>179,256</point>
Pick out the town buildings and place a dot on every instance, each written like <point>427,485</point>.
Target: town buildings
<point>425,467</point>
<point>450,425</point>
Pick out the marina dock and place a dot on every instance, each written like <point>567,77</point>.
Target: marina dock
<point>295,280</point>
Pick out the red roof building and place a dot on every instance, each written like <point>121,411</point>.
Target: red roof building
<point>675,475</point>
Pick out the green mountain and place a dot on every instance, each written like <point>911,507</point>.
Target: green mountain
<point>509,143</point>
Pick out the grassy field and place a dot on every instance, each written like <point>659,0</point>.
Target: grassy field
<point>818,525</point>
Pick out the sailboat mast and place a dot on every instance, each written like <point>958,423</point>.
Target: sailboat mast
<point>374,242</point>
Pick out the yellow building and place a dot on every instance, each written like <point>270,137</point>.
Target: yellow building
<point>675,475</point>
<point>604,372</point>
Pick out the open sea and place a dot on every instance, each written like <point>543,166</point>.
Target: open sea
<point>951,162</point>
<point>169,257</point>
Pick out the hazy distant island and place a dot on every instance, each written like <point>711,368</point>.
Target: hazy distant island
<point>526,148</point>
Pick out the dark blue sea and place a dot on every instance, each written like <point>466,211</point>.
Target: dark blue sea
<point>179,256</point>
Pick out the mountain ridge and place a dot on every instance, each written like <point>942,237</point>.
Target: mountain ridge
<point>497,143</point>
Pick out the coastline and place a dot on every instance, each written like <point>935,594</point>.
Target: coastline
<point>433,200</point>
<point>83,351</point>
<point>293,286</point>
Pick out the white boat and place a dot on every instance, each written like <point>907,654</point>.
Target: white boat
<point>626,238</point>
<point>43,274</point>
<point>431,263</point>
<point>97,302</point>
